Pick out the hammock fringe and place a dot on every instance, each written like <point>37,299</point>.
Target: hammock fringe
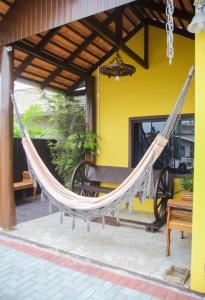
<point>139,182</point>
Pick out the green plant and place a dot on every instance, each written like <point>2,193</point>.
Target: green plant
<point>30,120</point>
<point>186,183</point>
<point>73,140</point>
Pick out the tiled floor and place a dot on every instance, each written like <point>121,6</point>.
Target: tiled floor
<point>123,247</point>
<point>29,208</point>
<point>30,273</point>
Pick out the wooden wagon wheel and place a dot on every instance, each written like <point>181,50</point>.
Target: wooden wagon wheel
<point>80,179</point>
<point>164,192</point>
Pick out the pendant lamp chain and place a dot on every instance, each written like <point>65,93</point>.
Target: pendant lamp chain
<point>169,30</point>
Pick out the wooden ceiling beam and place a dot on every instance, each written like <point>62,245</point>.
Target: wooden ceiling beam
<point>181,23</point>
<point>162,8</point>
<point>80,48</point>
<point>177,30</point>
<point>133,32</point>
<point>102,60</point>
<point>39,48</point>
<point>192,5</point>
<point>182,5</point>
<point>29,17</point>
<point>6,2</point>
<point>108,36</point>
<point>137,13</point>
<point>47,57</point>
<point>146,45</point>
<point>119,26</point>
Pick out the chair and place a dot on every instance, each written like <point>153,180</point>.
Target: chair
<point>26,183</point>
<point>179,217</point>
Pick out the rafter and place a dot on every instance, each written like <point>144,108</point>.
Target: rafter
<point>48,58</point>
<point>118,27</point>
<point>176,29</point>
<point>182,5</point>
<point>108,36</point>
<point>137,13</point>
<point>39,48</point>
<point>6,2</point>
<point>103,59</point>
<point>80,48</point>
<point>162,8</point>
<point>146,44</point>
<point>181,23</point>
<point>192,5</point>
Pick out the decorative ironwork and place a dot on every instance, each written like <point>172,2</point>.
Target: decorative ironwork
<point>117,68</point>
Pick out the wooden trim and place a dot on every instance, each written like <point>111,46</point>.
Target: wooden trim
<point>90,109</point>
<point>103,59</point>
<point>177,30</point>
<point>48,58</point>
<point>108,36</point>
<point>80,48</point>
<point>146,45</point>
<point>160,117</point>
<point>162,8</point>
<point>28,17</point>
<point>148,119</point>
<point>7,205</point>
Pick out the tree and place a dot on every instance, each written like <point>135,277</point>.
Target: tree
<point>68,117</point>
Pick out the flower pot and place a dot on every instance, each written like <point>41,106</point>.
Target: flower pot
<point>187,195</point>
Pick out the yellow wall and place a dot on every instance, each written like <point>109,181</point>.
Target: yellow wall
<point>148,92</point>
<point>198,230</point>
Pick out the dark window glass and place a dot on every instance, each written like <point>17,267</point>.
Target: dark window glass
<point>178,154</point>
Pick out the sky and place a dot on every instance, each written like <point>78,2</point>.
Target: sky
<point>21,86</point>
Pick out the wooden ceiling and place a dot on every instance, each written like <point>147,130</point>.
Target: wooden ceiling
<point>5,6</point>
<point>63,57</point>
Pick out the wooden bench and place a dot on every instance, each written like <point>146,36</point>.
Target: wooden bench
<point>26,183</point>
<point>179,217</point>
<point>89,179</point>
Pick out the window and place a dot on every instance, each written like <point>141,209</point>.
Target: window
<point>178,154</point>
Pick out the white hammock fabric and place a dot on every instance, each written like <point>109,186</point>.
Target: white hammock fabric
<point>140,181</point>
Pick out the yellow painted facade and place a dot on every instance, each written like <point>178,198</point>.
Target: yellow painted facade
<point>198,235</point>
<point>154,92</point>
<point>147,93</point>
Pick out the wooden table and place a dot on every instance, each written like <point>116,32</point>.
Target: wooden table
<point>179,217</point>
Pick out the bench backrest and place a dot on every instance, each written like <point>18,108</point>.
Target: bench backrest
<point>108,174</point>
<point>112,174</point>
<point>26,176</point>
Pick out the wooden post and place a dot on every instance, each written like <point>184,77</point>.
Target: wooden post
<point>90,108</point>
<point>7,204</point>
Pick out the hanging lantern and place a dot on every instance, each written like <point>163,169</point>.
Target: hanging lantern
<point>117,68</point>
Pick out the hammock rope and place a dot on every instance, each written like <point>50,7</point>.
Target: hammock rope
<point>140,182</point>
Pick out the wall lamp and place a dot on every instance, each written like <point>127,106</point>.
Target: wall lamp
<point>198,22</point>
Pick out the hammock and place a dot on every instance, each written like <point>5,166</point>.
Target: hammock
<point>139,182</point>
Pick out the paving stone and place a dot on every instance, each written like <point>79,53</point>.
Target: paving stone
<point>28,277</point>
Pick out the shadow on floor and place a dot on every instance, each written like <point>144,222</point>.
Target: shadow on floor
<point>28,209</point>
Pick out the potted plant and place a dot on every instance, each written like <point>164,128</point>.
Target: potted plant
<point>186,184</point>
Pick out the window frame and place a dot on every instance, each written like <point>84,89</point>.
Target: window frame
<point>132,120</point>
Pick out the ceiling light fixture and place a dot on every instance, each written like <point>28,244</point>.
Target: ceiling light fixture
<point>117,68</point>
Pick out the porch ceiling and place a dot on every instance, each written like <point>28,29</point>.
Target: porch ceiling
<point>5,6</point>
<point>63,57</point>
